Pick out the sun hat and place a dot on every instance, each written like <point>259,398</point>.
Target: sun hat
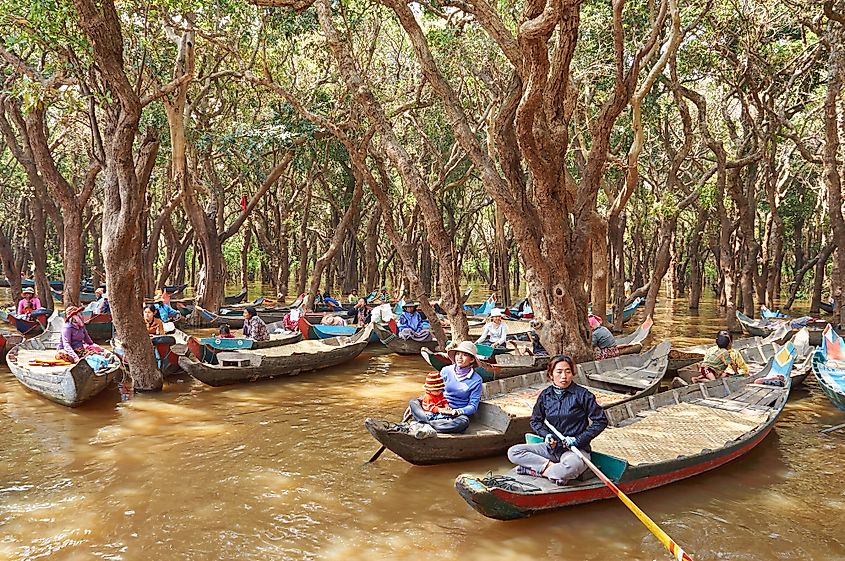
<point>594,320</point>
<point>495,313</point>
<point>467,347</point>
<point>72,311</point>
<point>410,304</point>
<point>433,382</point>
<point>28,290</point>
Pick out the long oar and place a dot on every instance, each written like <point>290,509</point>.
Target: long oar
<point>382,449</point>
<point>658,532</point>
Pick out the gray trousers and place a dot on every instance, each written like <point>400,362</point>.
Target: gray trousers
<point>564,466</point>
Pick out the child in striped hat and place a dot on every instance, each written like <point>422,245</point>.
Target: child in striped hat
<point>433,399</point>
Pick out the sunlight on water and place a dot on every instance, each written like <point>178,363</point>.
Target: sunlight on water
<point>275,471</point>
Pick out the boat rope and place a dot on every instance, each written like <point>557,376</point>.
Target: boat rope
<point>508,483</point>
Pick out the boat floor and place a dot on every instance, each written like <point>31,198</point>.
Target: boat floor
<point>520,403</point>
<point>26,355</point>
<point>682,429</point>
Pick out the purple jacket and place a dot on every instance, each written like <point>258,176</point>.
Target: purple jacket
<point>74,339</point>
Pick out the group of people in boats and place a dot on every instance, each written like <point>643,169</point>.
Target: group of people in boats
<point>453,395</point>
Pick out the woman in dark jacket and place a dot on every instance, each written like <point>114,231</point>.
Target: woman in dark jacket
<point>574,412</point>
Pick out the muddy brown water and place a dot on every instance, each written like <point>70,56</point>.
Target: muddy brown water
<point>275,470</point>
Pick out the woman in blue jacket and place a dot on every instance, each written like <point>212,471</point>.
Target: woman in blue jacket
<point>574,412</point>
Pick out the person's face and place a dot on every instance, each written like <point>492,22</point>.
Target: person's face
<point>463,359</point>
<point>28,295</point>
<point>165,298</point>
<point>436,392</point>
<point>497,319</point>
<point>148,314</point>
<point>246,314</point>
<point>77,320</point>
<point>562,374</point>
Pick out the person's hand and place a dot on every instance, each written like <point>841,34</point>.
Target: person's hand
<point>569,441</point>
<point>550,441</point>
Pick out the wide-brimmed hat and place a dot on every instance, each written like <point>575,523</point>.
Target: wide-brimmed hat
<point>433,382</point>
<point>28,290</point>
<point>410,304</point>
<point>72,311</point>
<point>495,313</point>
<point>467,347</point>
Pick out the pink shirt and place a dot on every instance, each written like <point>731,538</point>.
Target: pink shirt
<point>36,303</point>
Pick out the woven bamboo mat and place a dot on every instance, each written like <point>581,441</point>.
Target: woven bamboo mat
<point>521,403</point>
<point>25,355</point>
<point>682,429</point>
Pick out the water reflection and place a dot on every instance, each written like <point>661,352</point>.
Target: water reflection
<point>275,470</point>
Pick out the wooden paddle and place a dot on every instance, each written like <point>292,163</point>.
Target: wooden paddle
<point>382,449</point>
<point>658,532</point>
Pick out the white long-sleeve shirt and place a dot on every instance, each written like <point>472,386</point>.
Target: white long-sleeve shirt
<point>493,334</point>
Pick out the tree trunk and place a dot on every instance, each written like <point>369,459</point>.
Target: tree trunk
<point>245,242</point>
<point>123,201</point>
<point>599,228</point>
<point>371,251</point>
<point>695,259</point>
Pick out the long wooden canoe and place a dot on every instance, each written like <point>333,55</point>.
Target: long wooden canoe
<point>236,299</point>
<point>765,327</point>
<point>829,367</point>
<point>69,385</point>
<point>7,341</point>
<point>633,342</point>
<point>319,331</point>
<point>167,348</point>
<point>235,318</point>
<point>650,442</point>
<point>680,358</point>
<point>628,311</point>
<point>28,328</point>
<point>401,346</point>
<point>505,409</point>
<point>287,360</point>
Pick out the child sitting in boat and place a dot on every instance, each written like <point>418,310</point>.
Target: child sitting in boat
<point>721,360</point>
<point>27,311</point>
<point>433,399</point>
<point>225,332</point>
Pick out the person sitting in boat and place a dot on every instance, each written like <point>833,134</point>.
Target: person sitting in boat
<point>225,332</point>
<point>27,311</point>
<point>95,305</point>
<point>462,390</point>
<point>353,296</point>
<point>332,319</point>
<point>152,322</point>
<point>574,412</point>
<point>28,296</point>
<point>720,361</point>
<point>495,332</point>
<point>382,313</point>
<point>165,312</point>
<point>360,312</point>
<point>330,302</point>
<point>291,319</point>
<point>254,326</point>
<point>383,295</point>
<point>75,341</point>
<point>433,399</point>
<point>604,343</point>
<point>412,324</point>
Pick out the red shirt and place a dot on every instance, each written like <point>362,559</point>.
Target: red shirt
<point>432,403</point>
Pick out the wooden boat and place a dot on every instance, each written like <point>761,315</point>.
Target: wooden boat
<point>8,340</point>
<point>236,299</point>
<point>764,327</point>
<point>628,311</point>
<point>633,342</point>
<point>826,306</point>
<point>167,348</point>
<point>482,310</point>
<point>27,327</point>
<point>207,348</point>
<point>387,335</point>
<point>766,313</point>
<point>680,358</point>
<point>319,331</point>
<point>829,367</point>
<point>29,283</point>
<point>235,318</point>
<point>515,327</point>
<point>84,297</point>
<point>287,360</point>
<point>503,415</point>
<point>99,326</point>
<point>493,367</point>
<point>69,385</point>
<point>650,442</point>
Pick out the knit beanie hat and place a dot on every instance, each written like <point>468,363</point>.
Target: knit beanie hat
<point>434,382</point>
